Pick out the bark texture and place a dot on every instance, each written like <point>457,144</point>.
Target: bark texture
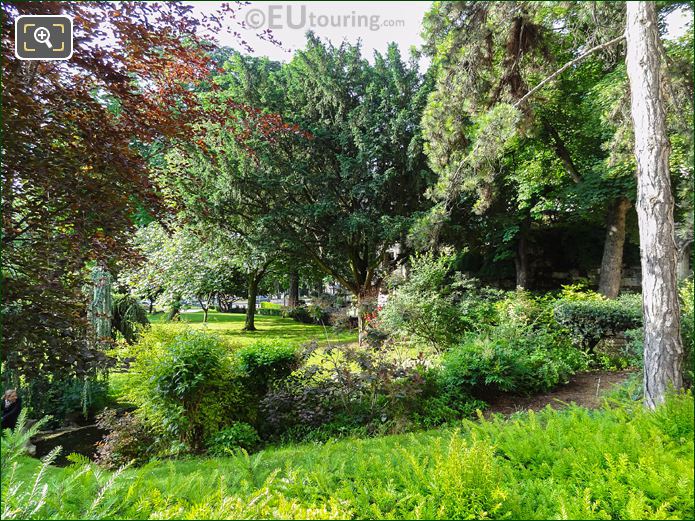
<point>612,262</point>
<point>663,349</point>
<point>293,300</point>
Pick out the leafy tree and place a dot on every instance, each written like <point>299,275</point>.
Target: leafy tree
<point>74,175</point>
<point>330,190</point>
<point>183,262</point>
<point>511,121</point>
<point>486,136</point>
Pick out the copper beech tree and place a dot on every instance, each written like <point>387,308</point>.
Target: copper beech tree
<point>79,138</point>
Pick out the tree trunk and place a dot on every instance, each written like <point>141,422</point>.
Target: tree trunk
<point>521,261</point>
<point>663,349</point>
<point>361,322</point>
<point>294,290</point>
<point>151,307</point>
<point>612,262</point>
<point>205,308</point>
<point>249,324</point>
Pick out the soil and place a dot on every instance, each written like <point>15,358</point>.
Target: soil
<point>584,389</point>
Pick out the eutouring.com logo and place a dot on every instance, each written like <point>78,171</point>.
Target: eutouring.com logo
<point>280,16</point>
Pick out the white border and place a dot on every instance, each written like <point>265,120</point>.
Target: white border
<point>36,16</point>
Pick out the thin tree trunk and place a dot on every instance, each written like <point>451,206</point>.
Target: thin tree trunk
<point>361,322</point>
<point>663,348</point>
<point>521,261</point>
<point>612,262</point>
<point>293,301</point>
<point>205,308</point>
<point>249,324</point>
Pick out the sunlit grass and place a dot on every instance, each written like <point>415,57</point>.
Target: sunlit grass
<point>230,326</point>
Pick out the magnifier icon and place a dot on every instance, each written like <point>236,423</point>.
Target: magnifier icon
<point>42,35</point>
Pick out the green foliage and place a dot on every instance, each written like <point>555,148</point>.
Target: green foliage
<point>128,316</point>
<point>434,305</point>
<point>186,261</point>
<point>589,321</point>
<point>351,134</point>
<point>620,462</point>
<point>687,296</point>
<point>175,306</point>
<point>14,441</point>
<point>83,492</point>
<point>312,314</point>
<point>271,309</point>
<point>66,397</point>
<point>264,362</point>
<point>511,359</point>
<point>348,390</point>
<point>188,363</point>
<point>238,435</point>
<point>186,385</point>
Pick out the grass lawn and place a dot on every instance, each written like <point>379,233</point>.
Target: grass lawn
<point>230,325</point>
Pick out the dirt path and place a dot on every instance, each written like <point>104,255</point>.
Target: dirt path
<point>584,389</point>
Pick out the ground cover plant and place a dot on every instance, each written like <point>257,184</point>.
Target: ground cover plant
<point>618,462</point>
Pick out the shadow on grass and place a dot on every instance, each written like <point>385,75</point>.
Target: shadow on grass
<point>267,328</point>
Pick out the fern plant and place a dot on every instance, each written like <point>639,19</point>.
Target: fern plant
<point>14,442</point>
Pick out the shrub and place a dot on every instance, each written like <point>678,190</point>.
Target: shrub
<point>521,308</point>
<point>632,351</point>
<point>66,398</point>
<point>342,321</point>
<point>236,436</point>
<point>128,440</point>
<point>187,386</point>
<point>270,312</point>
<point>264,362</point>
<point>510,359</point>
<point>590,321</point>
<point>312,314</point>
<point>346,389</point>
<point>621,352</point>
<point>432,305</point>
<point>579,292</point>
<point>270,309</point>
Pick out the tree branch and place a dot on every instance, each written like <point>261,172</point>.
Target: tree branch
<point>567,66</point>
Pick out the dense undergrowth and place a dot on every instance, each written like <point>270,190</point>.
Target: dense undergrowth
<point>619,462</point>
